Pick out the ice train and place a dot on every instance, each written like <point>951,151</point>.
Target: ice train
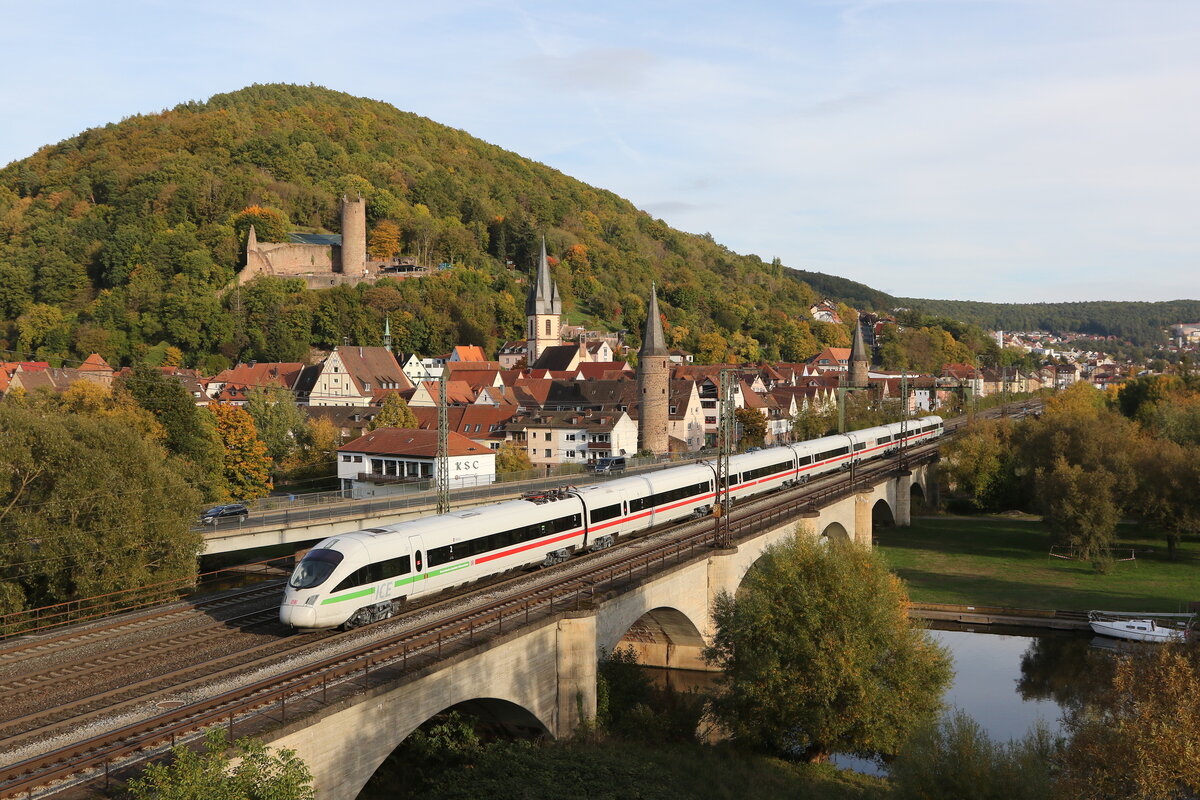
<point>362,577</point>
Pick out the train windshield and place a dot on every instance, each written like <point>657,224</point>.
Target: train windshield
<point>315,568</point>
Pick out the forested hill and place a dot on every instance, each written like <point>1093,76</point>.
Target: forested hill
<point>1140,322</point>
<point>124,239</point>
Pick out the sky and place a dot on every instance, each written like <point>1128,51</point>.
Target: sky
<point>1001,150</point>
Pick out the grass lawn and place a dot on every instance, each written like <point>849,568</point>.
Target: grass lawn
<point>993,561</point>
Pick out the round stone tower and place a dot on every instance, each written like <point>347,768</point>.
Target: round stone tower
<point>858,377</point>
<point>654,378</point>
<point>354,236</point>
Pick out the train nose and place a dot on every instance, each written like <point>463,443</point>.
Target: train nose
<point>298,616</point>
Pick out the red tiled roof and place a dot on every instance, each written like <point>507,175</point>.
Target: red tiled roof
<point>412,442</point>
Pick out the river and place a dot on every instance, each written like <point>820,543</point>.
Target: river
<point>1007,679</point>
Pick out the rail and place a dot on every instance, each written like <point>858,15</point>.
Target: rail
<point>430,643</point>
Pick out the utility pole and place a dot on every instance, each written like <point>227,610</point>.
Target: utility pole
<point>443,456</point>
<point>903,413</point>
<point>725,434</point>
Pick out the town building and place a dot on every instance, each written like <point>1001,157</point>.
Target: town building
<point>358,376</point>
<point>384,460</point>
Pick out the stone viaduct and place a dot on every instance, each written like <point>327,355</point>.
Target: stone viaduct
<point>542,676</point>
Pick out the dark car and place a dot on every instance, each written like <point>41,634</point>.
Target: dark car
<point>608,464</point>
<point>218,513</point>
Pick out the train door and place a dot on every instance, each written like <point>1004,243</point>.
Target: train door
<point>418,563</point>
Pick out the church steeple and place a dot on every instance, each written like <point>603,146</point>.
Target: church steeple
<point>387,333</point>
<point>543,295</point>
<point>543,309</point>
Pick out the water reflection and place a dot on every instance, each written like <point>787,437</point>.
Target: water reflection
<point>1007,678</point>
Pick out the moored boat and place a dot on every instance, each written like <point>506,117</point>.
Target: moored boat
<point>1140,628</point>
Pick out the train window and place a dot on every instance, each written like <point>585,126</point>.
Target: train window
<point>883,440</point>
<point>418,560</point>
<point>360,577</point>
<point>315,568</point>
<point>608,512</point>
<point>392,568</point>
<point>805,460</point>
<point>859,446</point>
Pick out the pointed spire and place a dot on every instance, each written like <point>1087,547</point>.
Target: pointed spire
<point>387,333</point>
<point>543,293</point>
<point>859,371</point>
<point>252,239</point>
<point>654,343</point>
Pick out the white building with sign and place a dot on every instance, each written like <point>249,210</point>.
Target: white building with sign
<point>402,460</point>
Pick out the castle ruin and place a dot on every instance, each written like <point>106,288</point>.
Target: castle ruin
<point>321,259</point>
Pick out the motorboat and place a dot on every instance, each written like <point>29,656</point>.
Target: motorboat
<point>1140,628</point>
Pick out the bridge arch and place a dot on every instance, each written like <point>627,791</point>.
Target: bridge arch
<point>836,532</point>
<point>498,716</point>
<point>664,636</point>
<point>882,515</point>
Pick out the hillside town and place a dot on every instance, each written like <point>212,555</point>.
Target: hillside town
<point>569,396</point>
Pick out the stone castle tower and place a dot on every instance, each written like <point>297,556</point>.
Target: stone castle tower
<point>543,311</point>
<point>354,236</point>
<point>654,377</point>
<point>859,360</point>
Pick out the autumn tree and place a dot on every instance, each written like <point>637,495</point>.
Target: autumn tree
<point>813,421</point>
<point>210,774</point>
<point>1142,738</point>
<point>90,502</point>
<point>315,457</point>
<point>270,224</point>
<point>277,419</point>
<point>817,654</point>
<point>247,465</point>
<point>512,457</point>
<point>384,241</point>
<point>394,413</point>
<point>190,432</point>
<point>753,426</point>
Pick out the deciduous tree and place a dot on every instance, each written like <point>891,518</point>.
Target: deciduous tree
<point>246,462</point>
<point>89,503</point>
<point>210,774</point>
<point>384,241</point>
<point>277,419</point>
<point>818,654</point>
<point>1142,739</point>
<point>753,426</point>
<point>512,457</point>
<point>394,413</point>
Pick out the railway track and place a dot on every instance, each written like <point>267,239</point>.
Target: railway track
<point>395,644</point>
<point>31,646</point>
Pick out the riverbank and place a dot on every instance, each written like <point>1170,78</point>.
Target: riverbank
<point>1002,562</point>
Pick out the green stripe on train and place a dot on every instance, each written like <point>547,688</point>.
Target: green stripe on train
<point>351,596</point>
<point>401,582</point>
